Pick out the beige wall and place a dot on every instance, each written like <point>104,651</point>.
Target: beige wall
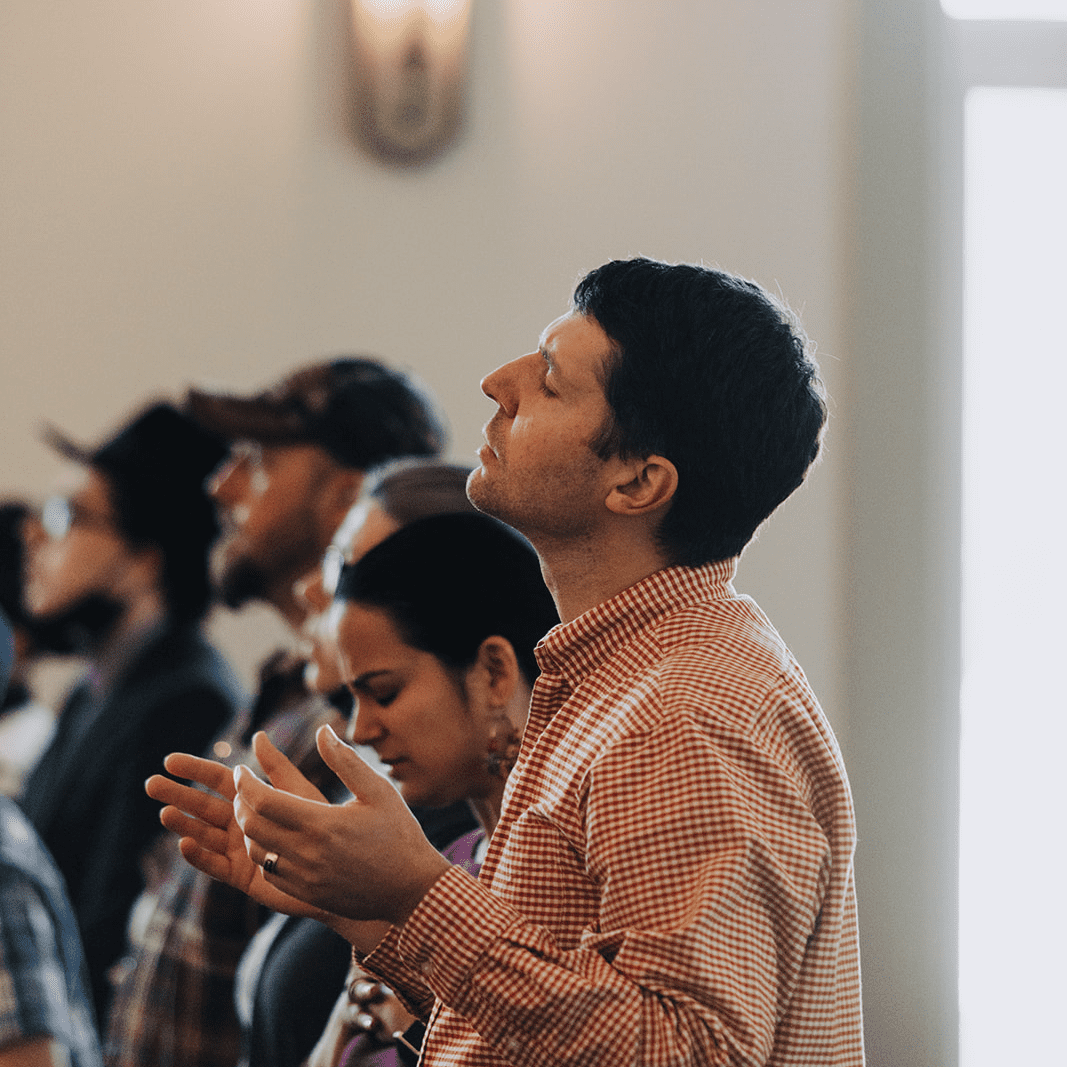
<point>183,200</point>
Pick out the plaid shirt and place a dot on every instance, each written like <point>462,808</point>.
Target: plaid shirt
<point>671,881</point>
<point>44,982</point>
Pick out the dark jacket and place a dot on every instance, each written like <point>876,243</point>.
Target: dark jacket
<point>86,796</point>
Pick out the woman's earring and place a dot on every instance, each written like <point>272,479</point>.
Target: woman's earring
<point>504,743</point>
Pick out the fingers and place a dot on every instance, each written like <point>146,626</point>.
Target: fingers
<point>365,991</point>
<point>211,863</point>
<point>205,835</point>
<point>209,773</point>
<point>256,798</point>
<point>258,854</point>
<point>196,802</point>
<point>273,821</point>
<point>280,770</point>
<point>366,784</point>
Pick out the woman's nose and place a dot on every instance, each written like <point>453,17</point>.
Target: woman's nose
<point>363,729</point>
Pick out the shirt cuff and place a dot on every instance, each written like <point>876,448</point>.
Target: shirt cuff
<point>454,925</point>
<point>407,982</point>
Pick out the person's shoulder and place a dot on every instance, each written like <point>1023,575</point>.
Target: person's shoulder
<point>712,642</point>
<point>717,665</point>
<point>182,658</point>
<point>24,860</point>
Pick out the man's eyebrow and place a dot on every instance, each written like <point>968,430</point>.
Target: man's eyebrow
<point>552,364</point>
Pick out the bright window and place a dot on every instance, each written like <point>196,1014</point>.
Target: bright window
<point>1013,832</point>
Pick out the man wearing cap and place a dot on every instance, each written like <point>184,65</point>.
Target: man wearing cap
<point>297,458</point>
<point>120,565</point>
<point>298,455</point>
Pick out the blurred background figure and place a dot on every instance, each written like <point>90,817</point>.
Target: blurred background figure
<point>298,456</point>
<point>316,432</point>
<point>46,1017</point>
<point>25,724</point>
<point>118,566</point>
<point>288,977</point>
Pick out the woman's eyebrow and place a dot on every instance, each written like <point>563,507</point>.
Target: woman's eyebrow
<point>368,676</point>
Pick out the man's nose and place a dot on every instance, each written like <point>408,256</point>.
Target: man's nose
<point>499,386</point>
<point>31,531</point>
<point>221,483</point>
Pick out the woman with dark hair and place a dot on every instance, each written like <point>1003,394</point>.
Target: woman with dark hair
<point>436,629</point>
<point>289,973</point>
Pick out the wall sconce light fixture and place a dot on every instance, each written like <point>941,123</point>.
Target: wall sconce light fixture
<point>411,66</point>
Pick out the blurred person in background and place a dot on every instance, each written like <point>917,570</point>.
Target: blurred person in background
<point>119,566</point>
<point>395,495</point>
<point>26,725</point>
<point>46,1017</point>
<point>298,453</point>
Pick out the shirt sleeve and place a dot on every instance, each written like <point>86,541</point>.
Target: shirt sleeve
<point>406,981</point>
<point>710,872</point>
<point>34,999</point>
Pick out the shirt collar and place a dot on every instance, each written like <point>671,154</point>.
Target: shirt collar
<point>576,648</point>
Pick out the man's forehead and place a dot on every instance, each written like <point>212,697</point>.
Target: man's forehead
<point>549,333</point>
<point>575,342</point>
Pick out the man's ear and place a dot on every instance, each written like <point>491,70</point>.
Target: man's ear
<point>339,494</point>
<point>347,484</point>
<point>142,574</point>
<point>647,485</point>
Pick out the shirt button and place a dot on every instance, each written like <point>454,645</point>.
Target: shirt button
<point>426,968</point>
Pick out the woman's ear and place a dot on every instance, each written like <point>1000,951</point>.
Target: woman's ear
<point>494,676</point>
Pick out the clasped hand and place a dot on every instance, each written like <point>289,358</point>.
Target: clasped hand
<point>366,859</point>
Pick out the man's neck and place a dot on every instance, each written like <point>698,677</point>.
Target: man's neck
<point>286,603</point>
<point>281,596</point>
<point>583,573</point>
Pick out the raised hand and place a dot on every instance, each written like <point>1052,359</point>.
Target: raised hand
<point>211,839</point>
<point>367,859</point>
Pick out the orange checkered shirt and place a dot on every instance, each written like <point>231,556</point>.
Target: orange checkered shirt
<point>671,881</point>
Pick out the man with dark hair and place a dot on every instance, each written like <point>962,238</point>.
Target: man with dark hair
<point>298,455</point>
<point>119,566</point>
<point>671,879</point>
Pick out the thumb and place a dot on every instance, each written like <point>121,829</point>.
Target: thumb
<point>366,785</point>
